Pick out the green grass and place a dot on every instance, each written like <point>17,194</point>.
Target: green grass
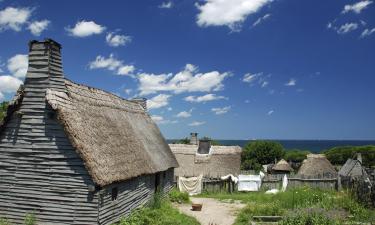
<point>164,215</point>
<point>260,204</point>
<point>30,219</point>
<point>179,197</point>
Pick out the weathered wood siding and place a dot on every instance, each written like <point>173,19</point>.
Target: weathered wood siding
<point>40,172</point>
<point>132,194</point>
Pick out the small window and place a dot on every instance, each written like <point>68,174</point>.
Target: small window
<point>114,193</point>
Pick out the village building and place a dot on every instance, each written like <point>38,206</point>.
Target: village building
<point>72,154</point>
<point>202,158</point>
<point>317,166</point>
<point>353,168</point>
<point>282,167</point>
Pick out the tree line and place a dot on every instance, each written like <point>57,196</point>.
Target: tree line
<point>258,153</point>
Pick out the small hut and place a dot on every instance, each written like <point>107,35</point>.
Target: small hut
<point>353,168</point>
<point>317,166</point>
<point>282,167</point>
<point>73,154</point>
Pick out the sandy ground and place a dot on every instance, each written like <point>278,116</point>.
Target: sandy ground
<point>213,212</point>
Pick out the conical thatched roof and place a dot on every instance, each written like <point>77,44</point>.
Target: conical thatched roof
<point>115,137</point>
<point>282,165</point>
<point>317,165</point>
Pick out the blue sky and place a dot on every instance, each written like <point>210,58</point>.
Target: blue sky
<point>228,69</point>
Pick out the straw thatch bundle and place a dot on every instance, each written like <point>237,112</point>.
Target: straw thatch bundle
<point>316,165</point>
<point>282,166</point>
<point>115,137</point>
<point>221,161</point>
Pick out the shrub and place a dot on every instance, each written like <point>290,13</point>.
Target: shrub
<point>30,219</point>
<point>3,109</point>
<point>177,196</point>
<point>257,153</point>
<point>4,221</point>
<point>156,200</point>
<point>296,155</point>
<point>309,219</point>
<point>339,155</point>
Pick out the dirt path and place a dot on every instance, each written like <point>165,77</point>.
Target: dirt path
<point>213,212</point>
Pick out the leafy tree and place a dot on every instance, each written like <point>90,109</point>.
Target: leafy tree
<point>183,141</point>
<point>339,155</point>
<point>296,155</point>
<point>3,109</point>
<point>257,153</point>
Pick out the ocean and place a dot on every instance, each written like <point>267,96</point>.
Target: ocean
<point>311,145</point>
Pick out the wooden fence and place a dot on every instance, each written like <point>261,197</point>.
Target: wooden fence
<point>326,182</point>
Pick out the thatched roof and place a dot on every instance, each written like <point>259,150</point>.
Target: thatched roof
<point>115,137</point>
<point>282,165</point>
<point>316,165</point>
<point>221,161</point>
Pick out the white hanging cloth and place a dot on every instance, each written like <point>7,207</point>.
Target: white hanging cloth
<point>191,185</point>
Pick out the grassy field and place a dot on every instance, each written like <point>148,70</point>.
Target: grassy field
<point>302,204</point>
<point>163,215</point>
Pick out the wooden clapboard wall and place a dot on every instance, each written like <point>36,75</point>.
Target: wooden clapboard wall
<point>131,195</point>
<point>40,172</point>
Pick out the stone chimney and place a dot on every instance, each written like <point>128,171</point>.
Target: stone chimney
<point>141,101</point>
<point>359,157</point>
<point>194,138</point>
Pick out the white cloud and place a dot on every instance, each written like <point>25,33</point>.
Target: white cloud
<point>219,111</point>
<point>291,82</point>
<point>187,80</point>
<point>37,27</point>
<point>227,13</point>
<point>112,64</point>
<point>9,84</point>
<point>261,19</point>
<point>160,120</point>
<point>116,40</point>
<point>85,28</point>
<point>258,78</point>
<point>184,114</point>
<point>347,27</point>
<point>14,18</point>
<point>250,78</point>
<point>128,91</point>
<point>367,32</point>
<point>158,101</point>
<point>166,5</point>
<point>264,83</point>
<point>356,7</point>
<point>196,123</point>
<point>125,70</point>
<point>17,65</point>
<point>204,98</point>
<point>270,112</point>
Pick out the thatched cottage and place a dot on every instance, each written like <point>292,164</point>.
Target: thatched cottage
<point>317,166</point>
<point>73,154</point>
<point>200,157</point>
